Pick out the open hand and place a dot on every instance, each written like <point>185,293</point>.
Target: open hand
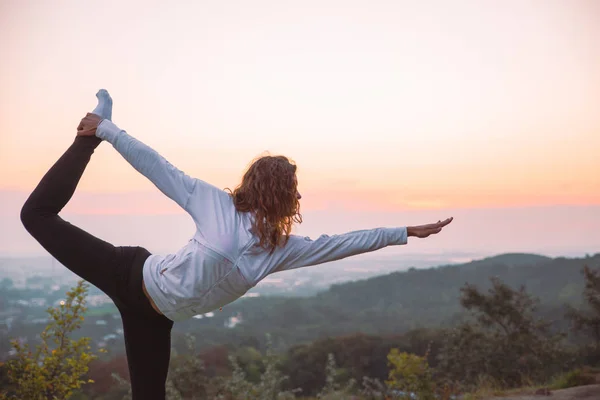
<point>88,125</point>
<point>422,231</point>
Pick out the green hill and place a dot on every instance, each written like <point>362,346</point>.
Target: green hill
<point>395,303</point>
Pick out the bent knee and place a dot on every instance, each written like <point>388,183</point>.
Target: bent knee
<point>29,217</point>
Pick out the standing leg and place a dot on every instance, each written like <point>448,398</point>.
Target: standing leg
<point>148,347</point>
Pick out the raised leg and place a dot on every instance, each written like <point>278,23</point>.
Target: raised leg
<point>86,255</point>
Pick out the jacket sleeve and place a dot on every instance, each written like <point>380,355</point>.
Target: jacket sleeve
<point>303,251</point>
<point>167,178</point>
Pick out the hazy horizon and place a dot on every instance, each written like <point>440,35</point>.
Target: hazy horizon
<point>548,230</point>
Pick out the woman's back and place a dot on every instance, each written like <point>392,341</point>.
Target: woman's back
<point>205,274</point>
<point>240,238</point>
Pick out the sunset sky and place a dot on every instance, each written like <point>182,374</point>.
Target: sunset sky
<point>417,109</point>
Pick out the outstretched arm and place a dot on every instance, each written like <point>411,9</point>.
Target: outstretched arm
<point>167,178</point>
<point>303,251</point>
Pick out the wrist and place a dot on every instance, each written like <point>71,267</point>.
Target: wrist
<point>410,231</point>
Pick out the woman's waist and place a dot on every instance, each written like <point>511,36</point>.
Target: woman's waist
<point>195,287</point>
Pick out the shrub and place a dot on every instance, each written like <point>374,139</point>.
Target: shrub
<point>57,366</point>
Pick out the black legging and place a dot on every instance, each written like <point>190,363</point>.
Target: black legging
<point>117,271</point>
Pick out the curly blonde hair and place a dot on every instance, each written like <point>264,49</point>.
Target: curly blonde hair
<point>269,189</point>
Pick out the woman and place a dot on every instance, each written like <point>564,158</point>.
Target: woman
<point>241,237</point>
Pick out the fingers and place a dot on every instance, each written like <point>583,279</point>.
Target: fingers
<point>88,124</point>
<point>423,231</point>
<point>91,119</point>
<point>445,222</point>
<point>441,223</point>
<point>432,229</point>
<point>438,224</point>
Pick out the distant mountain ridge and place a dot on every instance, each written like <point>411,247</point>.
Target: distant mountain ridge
<point>510,259</point>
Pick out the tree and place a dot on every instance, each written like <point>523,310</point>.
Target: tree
<point>270,386</point>
<point>503,342</point>
<point>56,368</point>
<point>187,380</point>
<point>187,375</point>
<point>410,375</point>
<point>587,320</point>
<point>334,389</point>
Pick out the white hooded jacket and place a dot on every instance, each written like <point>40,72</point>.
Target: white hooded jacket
<point>223,260</point>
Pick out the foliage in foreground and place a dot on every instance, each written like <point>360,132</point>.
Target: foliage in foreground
<point>55,369</point>
<point>504,342</point>
<point>503,345</point>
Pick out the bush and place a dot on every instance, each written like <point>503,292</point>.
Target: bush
<point>270,386</point>
<point>410,375</point>
<point>504,343</point>
<point>334,389</point>
<point>573,378</point>
<point>56,368</point>
<point>587,319</point>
